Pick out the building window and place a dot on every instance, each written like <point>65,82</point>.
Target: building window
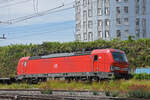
<point>89,4</point>
<point>90,36</point>
<point>107,34</point>
<point>100,34</point>
<point>137,27</point>
<point>126,9</point>
<point>126,22</point>
<point>78,37</point>
<point>107,22</point>
<point>99,7</point>
<point>137,22</point>
<point>126,33</point>
<point>78,15</point>
<point>107,12</point>
<point>90,12</point>
<point>84,3</point>
<point>138,32</point>
<point>99,11</point>
<point>118,0</point>
<point>144,27</point>
<point>137,7</point>
<point>78,7</point>
<point>100,23</point>
<point>99,3</point>
<point>144,7</point>
<point>119,34</point>
<point>107,6</point>
<point>84,26</point>
<point>84,15</point>
<point>125,1</point>
<point>90,24</point>
<point>85,36</point>
<point>118,10</point>
<point>78,27</point>
<point>118,21</point>
<point>106,3</point>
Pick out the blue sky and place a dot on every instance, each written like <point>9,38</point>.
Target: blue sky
<point>59,26</point>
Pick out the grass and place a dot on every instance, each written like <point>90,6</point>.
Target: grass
<point>18,86</point>
<point>110,88</point>
<point>121,85</point>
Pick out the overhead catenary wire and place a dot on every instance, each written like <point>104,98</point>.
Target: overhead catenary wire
<point>69,8</point>
<point>38,15</point>
<point>19,19</point>
<point>44,27</point>
<point>50,11</point>
<point>32,16</point>
<point>59,30</point>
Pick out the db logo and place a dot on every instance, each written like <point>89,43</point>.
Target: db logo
<point>100,57</point>
<point>55,65</point>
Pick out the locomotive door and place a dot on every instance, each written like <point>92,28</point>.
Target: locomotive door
<point>95,63</point>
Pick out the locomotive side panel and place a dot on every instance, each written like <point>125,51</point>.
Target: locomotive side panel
<point>108,62</point>
<point>57,65</point>
<point>60,65</point>
<point>45,66</point>
<point>102,60</point>
<point>36,67</point>
<point>79,63</point>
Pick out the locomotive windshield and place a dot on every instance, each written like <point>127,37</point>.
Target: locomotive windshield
<point>121,57</point>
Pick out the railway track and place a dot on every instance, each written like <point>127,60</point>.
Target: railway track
<point>51,97</point>
<point>21,94</point>
<point>53,92</point>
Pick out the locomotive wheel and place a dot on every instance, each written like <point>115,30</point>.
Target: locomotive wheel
<point>44,79</point>
<point>77,79</point>
<point>90,79</point>
<point>68,79</point>
<point>96,79</point>
<point>32,81</point>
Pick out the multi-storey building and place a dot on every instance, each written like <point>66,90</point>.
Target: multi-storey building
<point>109,19</point>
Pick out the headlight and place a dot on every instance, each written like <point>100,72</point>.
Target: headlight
<point>113,68</point>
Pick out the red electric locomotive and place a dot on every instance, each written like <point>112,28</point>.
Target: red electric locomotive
<point>97,64</point>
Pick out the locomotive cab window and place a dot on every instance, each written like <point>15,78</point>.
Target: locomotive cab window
<point>25,63</point>
<point>95,57</point>
<point>121,57</point>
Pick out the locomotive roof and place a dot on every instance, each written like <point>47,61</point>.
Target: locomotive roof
<point>60,55</point>
<point>56,55</point>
